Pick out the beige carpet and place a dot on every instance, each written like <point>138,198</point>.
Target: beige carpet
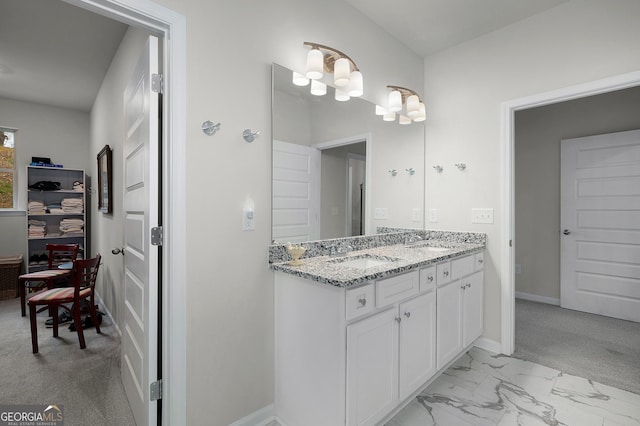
<point>602,349</point>
<point>85,382</point>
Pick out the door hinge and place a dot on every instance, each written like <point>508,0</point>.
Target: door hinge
<point>156,236</point>
<point>157,84</point>
<point>155,389</point>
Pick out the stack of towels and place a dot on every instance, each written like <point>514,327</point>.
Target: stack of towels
<point>35,207</point>
<point>37,228</point>
<point>55,208</point>
<point>71,227</point>
<point>72,205</point>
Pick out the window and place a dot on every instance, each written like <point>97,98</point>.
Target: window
<point>7,169</point>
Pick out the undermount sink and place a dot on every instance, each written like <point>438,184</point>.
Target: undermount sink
<point>363,262</point>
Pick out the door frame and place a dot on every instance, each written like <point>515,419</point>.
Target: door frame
<point>507,196</point>
<point>350,140</point>
<point>171,28</point>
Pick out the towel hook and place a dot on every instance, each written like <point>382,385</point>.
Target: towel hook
<point>250,136</point>
<point>209,128</point>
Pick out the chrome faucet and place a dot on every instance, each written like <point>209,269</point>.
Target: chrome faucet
<point>412,239</point>
<point>339,250</point>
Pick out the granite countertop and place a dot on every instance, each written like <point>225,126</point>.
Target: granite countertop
<point>400,258</point>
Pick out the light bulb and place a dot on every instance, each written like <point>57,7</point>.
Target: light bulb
<point>395,101</point>
<point>381,110</point>
<point>422,115</point>
<point>318,88</point>
<point>413,105</point>
<point>315,64</point>
<point>341,95</point>
<point>299,79</point>
<point>390,116</point>
<point>404,119</point>
<point>341,72</point>
<point>355,87</point>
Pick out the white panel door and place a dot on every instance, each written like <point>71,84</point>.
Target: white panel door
<point>600,224</point>
<point>141,185</point>
<point>417,342</point>
<point>372,368</point>
<point>295,192</point>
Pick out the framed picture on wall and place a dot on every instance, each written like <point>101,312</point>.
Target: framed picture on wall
<point>104,180</point>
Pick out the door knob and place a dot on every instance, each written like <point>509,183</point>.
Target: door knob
<point>118,250</point>
<point>566,232</point>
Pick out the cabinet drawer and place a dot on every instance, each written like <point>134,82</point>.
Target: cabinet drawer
<point>462,267</point>
<point>443,272</point>
<point>390,290</point>
<point>427,278</point>
<point>479,257</point>
<point>359,301</point>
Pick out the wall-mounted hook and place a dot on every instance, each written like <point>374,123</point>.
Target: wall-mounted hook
<point>250,136</point>
<point>209,128</point>
<point>460,166</point>
<point>411,171</point>
<point>438,168</point>
<point>393,172</point>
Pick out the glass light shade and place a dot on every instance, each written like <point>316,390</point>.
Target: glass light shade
<point>381,110</point>
<point>318,88</point>
<point>341,72</point>
<point>355,87</point>
<point>422,115</point>
<point>390,116</point>
<point>299,79</point>
<point>341,95</point>
<point>404,120</point>
<point>315,64</point>
<point>395,101</point>
<point>413,105</point>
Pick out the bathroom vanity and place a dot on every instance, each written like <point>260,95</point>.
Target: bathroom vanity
<point>358,336</point>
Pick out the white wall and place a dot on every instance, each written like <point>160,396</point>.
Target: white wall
<point>230,48</point>
<point>43,131</point>
<point>538,132</point>
<point>107,128</point>
<point>576,42</point>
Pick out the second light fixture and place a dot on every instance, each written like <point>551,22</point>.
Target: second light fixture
<point>399,96</point>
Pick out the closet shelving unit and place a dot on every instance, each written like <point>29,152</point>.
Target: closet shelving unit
<point>36,260</point>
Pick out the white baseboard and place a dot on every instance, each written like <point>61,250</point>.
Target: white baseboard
<point>488,345</point>
<point>103,308</point>
<point>536,298</point>
<point>262,417</point>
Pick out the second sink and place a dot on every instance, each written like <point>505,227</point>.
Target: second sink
<point>364,261</point>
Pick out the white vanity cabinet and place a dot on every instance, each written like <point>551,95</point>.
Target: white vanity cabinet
<point>460,307</point>
<point>352,356</point>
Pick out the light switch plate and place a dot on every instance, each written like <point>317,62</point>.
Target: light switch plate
<point>481,215</point>
<point>248,220</point>
<point>381,213</point>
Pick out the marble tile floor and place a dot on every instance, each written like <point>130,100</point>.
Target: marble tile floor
<point>484,389</point>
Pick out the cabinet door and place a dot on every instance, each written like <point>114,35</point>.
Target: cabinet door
<point>372,368</point>
<point>417,342</point>
<point>449,323</point>
<point>473,307</point>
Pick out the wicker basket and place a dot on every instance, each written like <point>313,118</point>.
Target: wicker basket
<point>10,267</point>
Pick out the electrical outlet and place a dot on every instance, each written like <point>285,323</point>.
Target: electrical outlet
<point>416,215</point>
<point>518,268</point>
<point>433,215</point>
<point>381,213</point>
<point>481,215</point>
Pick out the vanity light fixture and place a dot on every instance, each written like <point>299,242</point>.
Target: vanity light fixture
<point>399,96</point>
<point>346,74</point>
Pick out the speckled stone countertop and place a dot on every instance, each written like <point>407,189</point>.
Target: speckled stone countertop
<point>400,258</point>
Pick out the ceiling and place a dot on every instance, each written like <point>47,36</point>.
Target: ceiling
<point>57,54</point>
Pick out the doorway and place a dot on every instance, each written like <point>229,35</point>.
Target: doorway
<point>509,110</point>
<point>170,27</point>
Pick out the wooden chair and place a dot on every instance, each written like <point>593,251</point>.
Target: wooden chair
<point>58,254</point>
<point>83,278</point>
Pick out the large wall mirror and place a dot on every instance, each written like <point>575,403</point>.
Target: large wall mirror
<point>338,169</point>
